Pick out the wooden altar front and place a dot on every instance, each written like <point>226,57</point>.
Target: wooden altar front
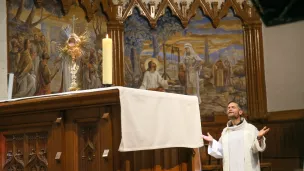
<point>73,133</point>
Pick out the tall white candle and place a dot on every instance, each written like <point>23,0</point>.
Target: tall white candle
<point>107,61</point>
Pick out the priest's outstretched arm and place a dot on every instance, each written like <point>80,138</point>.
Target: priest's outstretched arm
<point>215,147</point>
<point>259,144</point>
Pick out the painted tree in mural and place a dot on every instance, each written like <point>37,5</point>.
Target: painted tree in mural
<point>99,18</point>
<point>52,7</point>
<point>27,44</point>
<point>167,26</point>
<point>137,30</point>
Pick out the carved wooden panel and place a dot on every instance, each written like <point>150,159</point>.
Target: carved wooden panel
<point>83,144</point>
<point>14,153</point>
<point>26,152</point>
<point>89,152</point>
<point>284,144</point>
<point>37,158</point>
<point>285,139</point>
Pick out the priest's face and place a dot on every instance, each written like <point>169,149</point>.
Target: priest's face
<point>234,111</point>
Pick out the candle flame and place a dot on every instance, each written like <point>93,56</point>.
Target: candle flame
<point>107,36</point>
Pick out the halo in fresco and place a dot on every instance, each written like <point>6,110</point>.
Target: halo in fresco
<point>153,60</point>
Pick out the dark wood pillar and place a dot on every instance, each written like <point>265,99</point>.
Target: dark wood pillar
<point>255,73</point>
<point>116,32</point>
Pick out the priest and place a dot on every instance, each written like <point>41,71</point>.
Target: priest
<point>240,142</point>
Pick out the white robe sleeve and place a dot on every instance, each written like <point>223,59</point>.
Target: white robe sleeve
<point>215,149</point>
<point>258,146</point>
<point>144,83</point>
<point>163,83</point>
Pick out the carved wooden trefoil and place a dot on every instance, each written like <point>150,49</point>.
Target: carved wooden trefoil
<point>88,152</point>
<point>14,157</point>
<point>37,161</point>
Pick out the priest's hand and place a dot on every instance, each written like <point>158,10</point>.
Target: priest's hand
<point>208,138</point>
<point>263,132</point>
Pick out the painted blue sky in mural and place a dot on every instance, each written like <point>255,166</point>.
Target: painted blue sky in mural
<point>213,56</point>
<point>199,25</point>
<point>192,28</point>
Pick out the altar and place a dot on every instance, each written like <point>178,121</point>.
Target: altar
<point>109,129</point>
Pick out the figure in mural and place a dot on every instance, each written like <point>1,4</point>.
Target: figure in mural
<point>192,64</point>
<point>153,80</point>
<point>44,76</point>
<point>181,75</point>
<point>222,72</point>
<point>20,39</point>
<point>218,73</point>
<point>36,53</point>
<point>25,84</point>
<point>90,66</point>
<point>99,65</point>
<point>43,44</point>
<point>86,67</point>
<point>227,72</point>
<point>14,56</point>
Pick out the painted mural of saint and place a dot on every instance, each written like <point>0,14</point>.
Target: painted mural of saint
<point>219,75</point>
<point>36,52</point>
<point>14,56</point>
<point>44,76</point>
<point>153,80</point>
<point>90,71</point>
<point>25,83</point>
<point>192,64</point>
<point>227,72</point>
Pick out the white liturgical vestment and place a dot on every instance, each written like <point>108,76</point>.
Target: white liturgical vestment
<point>239,147</point>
